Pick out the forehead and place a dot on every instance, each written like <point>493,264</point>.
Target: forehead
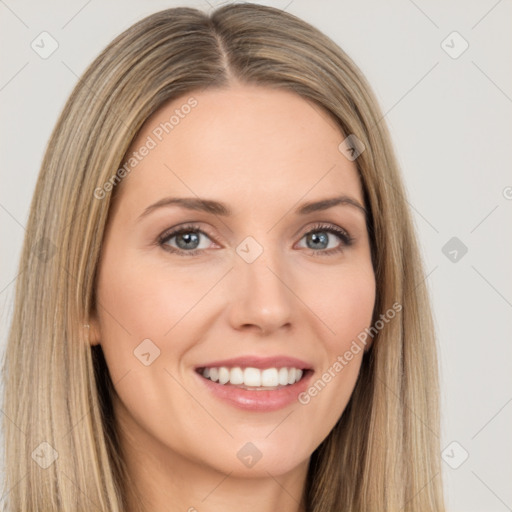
<point>245,144</point>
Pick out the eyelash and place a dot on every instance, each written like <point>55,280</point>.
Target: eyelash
<point>345,238</point>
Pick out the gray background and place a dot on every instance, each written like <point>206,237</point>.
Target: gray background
<point>449,116</point>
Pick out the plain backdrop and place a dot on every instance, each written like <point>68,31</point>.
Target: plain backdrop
<point>441,72</point>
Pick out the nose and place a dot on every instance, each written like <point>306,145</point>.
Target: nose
<point>262,298</point>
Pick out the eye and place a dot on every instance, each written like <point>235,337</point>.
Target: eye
<point>320,238</point>
<point>187,240</point>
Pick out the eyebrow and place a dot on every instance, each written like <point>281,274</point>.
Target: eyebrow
<point>218,208</point>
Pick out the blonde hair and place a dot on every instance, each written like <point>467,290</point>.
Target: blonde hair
<point>383,454</point>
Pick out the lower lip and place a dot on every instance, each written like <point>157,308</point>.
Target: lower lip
<point>259,401</point>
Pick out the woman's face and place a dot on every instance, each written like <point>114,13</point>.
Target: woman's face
<point>264,276</point>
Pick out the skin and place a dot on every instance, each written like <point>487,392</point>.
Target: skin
<point>263,152</point>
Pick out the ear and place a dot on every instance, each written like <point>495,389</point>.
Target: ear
<point>92,330</point>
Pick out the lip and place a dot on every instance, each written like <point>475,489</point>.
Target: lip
<point>254,400</point>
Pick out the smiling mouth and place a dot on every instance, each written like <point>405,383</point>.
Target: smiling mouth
<point>254,379</point>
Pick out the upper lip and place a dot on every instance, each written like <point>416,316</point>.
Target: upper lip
<point>259,362</point>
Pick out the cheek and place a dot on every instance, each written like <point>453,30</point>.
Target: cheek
<point>138,302</point>
<point>344,302</point>
<point>347,311</point>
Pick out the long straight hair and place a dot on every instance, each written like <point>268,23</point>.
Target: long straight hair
<point>60,436</point>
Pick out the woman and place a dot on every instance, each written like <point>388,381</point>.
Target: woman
<point>222,304</point>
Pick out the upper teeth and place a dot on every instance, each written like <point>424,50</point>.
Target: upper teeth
<point>269,377</point>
